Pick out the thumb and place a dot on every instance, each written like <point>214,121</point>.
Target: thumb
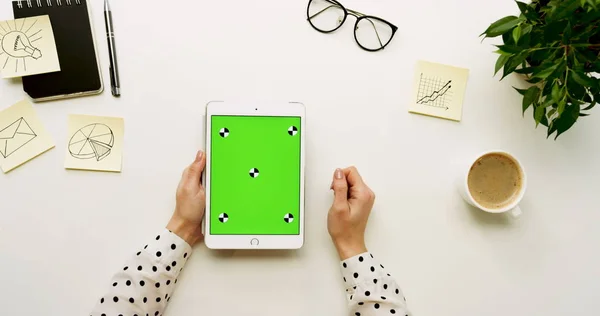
<point>340,188</point>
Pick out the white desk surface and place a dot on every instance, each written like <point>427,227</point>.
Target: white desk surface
<point>64,233</point>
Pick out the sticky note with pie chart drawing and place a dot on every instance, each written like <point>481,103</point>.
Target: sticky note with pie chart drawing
<point>438,90</point>
<point>95,143</point>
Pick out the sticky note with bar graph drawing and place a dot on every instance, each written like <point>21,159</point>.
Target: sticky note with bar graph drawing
<point>439,90</point>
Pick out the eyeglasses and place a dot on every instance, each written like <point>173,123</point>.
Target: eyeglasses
<point>370,32</point>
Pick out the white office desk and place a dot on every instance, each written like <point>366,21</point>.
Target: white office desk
<point>64,233</point>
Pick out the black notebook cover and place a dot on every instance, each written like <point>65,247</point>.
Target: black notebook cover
<point>79,73</point>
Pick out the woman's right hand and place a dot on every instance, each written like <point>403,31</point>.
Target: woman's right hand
<point>349,214</point>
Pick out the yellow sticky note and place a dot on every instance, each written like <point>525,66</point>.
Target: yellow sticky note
<point>95,143</point>
<point>439,90</point>
<point>22,136</point>
<point>27,47</point>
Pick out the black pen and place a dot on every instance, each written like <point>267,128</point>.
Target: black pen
<point>115,84</point>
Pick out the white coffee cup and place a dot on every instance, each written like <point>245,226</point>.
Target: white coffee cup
<point>463,186</point>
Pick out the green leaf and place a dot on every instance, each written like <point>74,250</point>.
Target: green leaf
<point>565,121</point>
<point>553,31</point>
<point>551,128</point>
<point>526,29</point>
<point>583,79</point>
<point>538,114</point>
<point>501,26</point>
<point>523,6</point>
<point>516,33</point>
<point>567,33</point>
<point>520,91</point>
<point>527,11</point>
<point>550,113</point>
<point>543,74</point>
<point>530,96</point>
<point>561,107</point>
<point>547,103</point>
<point>564,9</point>
<point>502,59</point>
<point>512,64</point>
<point>534,80</point>
<point>525,71</point>
<point>509,49</point>
<point>556,95</point>
<point>589,107</point>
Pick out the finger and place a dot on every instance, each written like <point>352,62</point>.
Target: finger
<point>193,174</point>
<point>340,188</point>
<point>354,178</point>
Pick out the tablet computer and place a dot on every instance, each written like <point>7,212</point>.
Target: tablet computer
<point>254,176</point>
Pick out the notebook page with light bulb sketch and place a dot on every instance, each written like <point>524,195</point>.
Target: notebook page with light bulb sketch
<point>27,47</point>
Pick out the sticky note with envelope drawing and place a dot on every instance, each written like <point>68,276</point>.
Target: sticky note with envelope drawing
<point>22,136</point>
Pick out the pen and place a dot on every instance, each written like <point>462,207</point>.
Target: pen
<point>115,84</point>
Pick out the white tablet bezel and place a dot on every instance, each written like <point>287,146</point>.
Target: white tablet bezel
<point>254,241</point>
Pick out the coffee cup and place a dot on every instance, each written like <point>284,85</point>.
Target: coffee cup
<point>494,182</point>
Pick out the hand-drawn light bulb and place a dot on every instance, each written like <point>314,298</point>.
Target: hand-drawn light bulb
<point>16,44</point>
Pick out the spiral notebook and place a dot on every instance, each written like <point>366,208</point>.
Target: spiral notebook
<point>80,71</point>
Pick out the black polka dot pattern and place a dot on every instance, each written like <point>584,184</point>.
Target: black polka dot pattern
<point>161,263</point>
<point>370,288</point>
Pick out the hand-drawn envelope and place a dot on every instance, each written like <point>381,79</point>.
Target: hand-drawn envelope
<point>15,136</point>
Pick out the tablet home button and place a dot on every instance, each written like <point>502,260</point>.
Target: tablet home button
<point>254,242</point>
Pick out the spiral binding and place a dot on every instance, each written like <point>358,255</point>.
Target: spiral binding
<point>48,3</point>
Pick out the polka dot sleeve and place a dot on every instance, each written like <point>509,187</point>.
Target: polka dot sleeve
<point>370,289</point>
<point>144,286</point>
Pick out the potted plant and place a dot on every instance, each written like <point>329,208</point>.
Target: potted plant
<point>555,44</point>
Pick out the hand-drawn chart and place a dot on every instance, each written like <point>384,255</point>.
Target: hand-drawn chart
<point>438,90</point>
<point>92,141</point>
<point>15,136</point>
<point>434,92</point>
<point>17,42</point>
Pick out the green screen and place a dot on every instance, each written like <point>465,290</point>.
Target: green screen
<point>255,175</point>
